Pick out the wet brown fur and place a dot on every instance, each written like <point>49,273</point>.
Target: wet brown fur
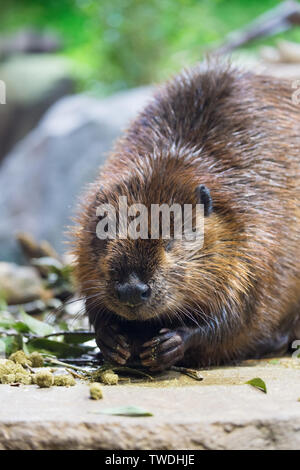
<point>239,134</point>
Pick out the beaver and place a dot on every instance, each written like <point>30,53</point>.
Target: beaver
<point>230,140</point>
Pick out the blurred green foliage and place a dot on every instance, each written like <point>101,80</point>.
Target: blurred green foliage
<point>117,44</point>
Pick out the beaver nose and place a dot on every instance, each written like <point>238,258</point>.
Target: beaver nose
<point>133,293</point>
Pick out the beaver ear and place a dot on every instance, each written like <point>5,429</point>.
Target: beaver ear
<point>204,197</point>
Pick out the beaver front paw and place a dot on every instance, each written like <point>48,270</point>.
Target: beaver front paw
<point>164,350</point>
<point>112,344</point>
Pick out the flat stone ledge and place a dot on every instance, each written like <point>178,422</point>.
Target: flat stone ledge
<point>218,413</point>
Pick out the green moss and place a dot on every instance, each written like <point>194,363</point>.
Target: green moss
<point>107,377</point>
<point>64,381</point>
<point>36,359</point>
<point>8,378</point>
<point>20,357</point>
<point>44,379</point>
<point>9,367</point>
<point>23,378</point>
<point>96,391</point>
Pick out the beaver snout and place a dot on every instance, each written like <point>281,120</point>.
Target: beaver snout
<point>133,292</point>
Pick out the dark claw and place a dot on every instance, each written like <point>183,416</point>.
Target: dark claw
<point>121,339</point>
<point>159,339</point>
<point>163,351</point>
<point>113,346</point>
<point>112,357</point>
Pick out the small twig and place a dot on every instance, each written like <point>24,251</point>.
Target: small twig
<point>85,362</point>
<point>193,373</point>
<point>74,374</point>
<point>8,333</point>
<point>26,366</point>
<point>131,371</point>
<point>16,333</point>
<point>70,333</point>
<point>33,336</point>
<point>280,18</point>
<point>64,364</point>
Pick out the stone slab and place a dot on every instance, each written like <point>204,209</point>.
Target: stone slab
<point>219,413</point>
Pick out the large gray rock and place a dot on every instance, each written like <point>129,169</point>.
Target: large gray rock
<point>20,284</point>
<point>42,177</point>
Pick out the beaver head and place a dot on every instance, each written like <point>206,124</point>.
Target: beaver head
<point>144,278</point>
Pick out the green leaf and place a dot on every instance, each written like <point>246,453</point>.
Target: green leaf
<point>67,272</point>
<point>59,349</point>
<point>52,264</point>
<point>2,348</point>
<point>10,344</point>
<point>21,327</point>
<point>63,325</point>
<point>133,411</point>
<point>258,383</point>
<point>78,338</point>
<point>7,321</point>
<point>6,324</point>
<point>36,326</point>
<point>3,304</point>
<point>25,349</point>
<point>57,272</point>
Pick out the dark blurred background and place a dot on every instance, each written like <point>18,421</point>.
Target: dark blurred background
<point>77,71</point>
